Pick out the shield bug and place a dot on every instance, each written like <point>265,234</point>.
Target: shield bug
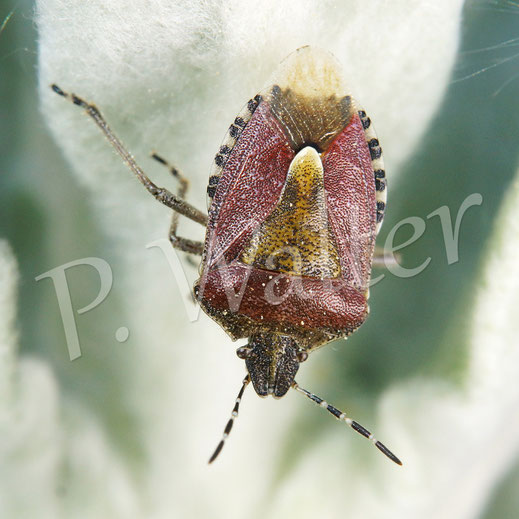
<point>295,200</point>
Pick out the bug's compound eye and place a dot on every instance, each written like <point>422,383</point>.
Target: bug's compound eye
<point>243,352</point>
<point>301,356</point>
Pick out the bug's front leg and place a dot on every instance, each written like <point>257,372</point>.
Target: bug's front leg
<point>183,244</point>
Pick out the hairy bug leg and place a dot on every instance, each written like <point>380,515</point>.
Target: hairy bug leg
<point>162,195</point>
<point>382,259</point>
<point>183,244</point>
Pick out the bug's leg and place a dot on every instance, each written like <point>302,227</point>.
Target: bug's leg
<point>162,195</point>
<point>183,244</point>
<point>354,425</point>
<point>234,414</point>
<point>382,259</point>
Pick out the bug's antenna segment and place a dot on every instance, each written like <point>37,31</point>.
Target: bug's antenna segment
<point>161,194</point>
<point>352,423</point>
<point>229,425</point>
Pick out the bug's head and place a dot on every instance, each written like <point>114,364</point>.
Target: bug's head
<point>272,361</point>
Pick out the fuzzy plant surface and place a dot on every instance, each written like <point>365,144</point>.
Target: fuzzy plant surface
<point>125,430</point>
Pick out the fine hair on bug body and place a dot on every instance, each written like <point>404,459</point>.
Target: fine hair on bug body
<point>296,196</point>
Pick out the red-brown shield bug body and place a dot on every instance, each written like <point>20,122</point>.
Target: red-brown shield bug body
<point>295,199</point>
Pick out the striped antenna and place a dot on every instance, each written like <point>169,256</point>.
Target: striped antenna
<point>229,425</point>
<point>352,423</point>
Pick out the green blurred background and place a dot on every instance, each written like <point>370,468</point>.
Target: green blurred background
<point>418,325</point>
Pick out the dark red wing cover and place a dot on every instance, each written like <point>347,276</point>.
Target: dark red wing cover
<point>250,186</point>
<point>350,191</point>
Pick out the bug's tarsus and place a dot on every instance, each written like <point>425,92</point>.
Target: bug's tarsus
<point>184,182</point>
<point>352,423</point>
<point>183,244</point>
<point>162,195</point>
<point>182,179</point>
<point>58,90</point>
<point>229,425</point>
